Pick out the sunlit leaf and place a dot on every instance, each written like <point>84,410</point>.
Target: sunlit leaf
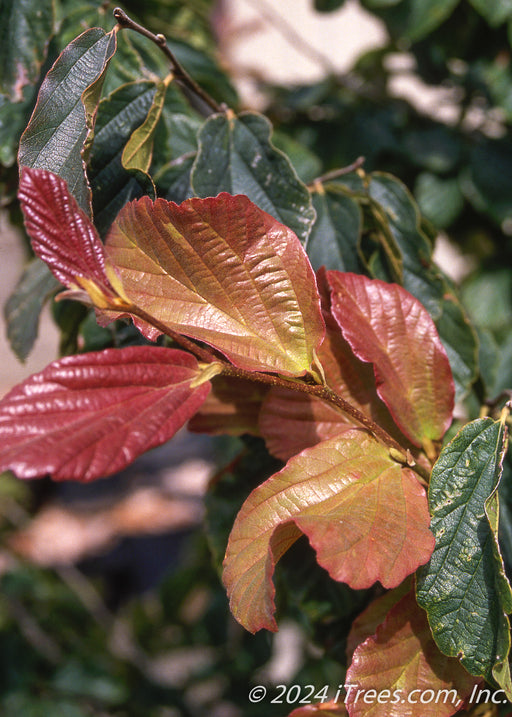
<point>400,671</point>
<point>237,156</point>
<point>64,113</point>
<point>364,514</point>
<point>222,271</point>
<point>468,615</point>
<point>388,327</point>
<point>62,234</point>
<point>26,27</point>
<point>88,416</point>
<point>24,306</point>
<point>138,151</point>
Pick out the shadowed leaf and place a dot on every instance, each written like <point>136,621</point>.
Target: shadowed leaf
<point>233,406</point>
<point>88,416</point>
<point>23,306</point>
<point>222,271</point>
<point>364,514</point>
<point>25,29</point>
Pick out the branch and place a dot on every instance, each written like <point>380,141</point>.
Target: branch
<point>335,173</point>
<point>188,84</point>
<point>397,452</point>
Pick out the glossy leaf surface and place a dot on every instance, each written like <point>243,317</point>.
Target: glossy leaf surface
<point>24,306</point>
<point>88,416</point>
<point>25,28</point>
<point>364,514</point>
<point>222,271</point>
<point>63,116</point>
<point>468,615</point>
<point>388,327</point>
<point>237,156</point>
<point>62,234</point>
<point>400,671</point>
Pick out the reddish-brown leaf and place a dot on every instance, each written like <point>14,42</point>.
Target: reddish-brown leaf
<point>366,623</point>
<point>223,271</point>
<point>62,234</point>
<point>365,515</point>
<point>90,415</point>
<point>388,327</point>
<point>400,672</point>
<point>291,421</point>
<point>233,406</point>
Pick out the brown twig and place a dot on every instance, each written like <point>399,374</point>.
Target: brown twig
<point>181,75</point>
<point>335,173</point>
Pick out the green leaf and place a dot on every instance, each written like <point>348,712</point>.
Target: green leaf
<point>463,588</point>
<point>210,269</point>
<point>494,11</point>
<point>138,151</point>
<point>237,156</point>
<point>439,199</point>
<point>334,239</point>
<point>365,515</point>
<point>119,115</point>
<point>24,306</point>
<point>63,117</point>
<point>13,118</point>
<point>396,211</point>
<point>25,30</point>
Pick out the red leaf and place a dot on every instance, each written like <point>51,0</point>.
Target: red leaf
<point>88,416</point>
<point>365,515</point>
<point>402,665</point>
<point>223,271</point>
<point>388,327</point>
<point>62,234</point>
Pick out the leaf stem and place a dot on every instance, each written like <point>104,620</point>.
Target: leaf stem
<point>185,80</point>
<point>324,393</point>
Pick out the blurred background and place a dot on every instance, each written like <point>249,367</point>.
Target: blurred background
<point>110,601</point>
